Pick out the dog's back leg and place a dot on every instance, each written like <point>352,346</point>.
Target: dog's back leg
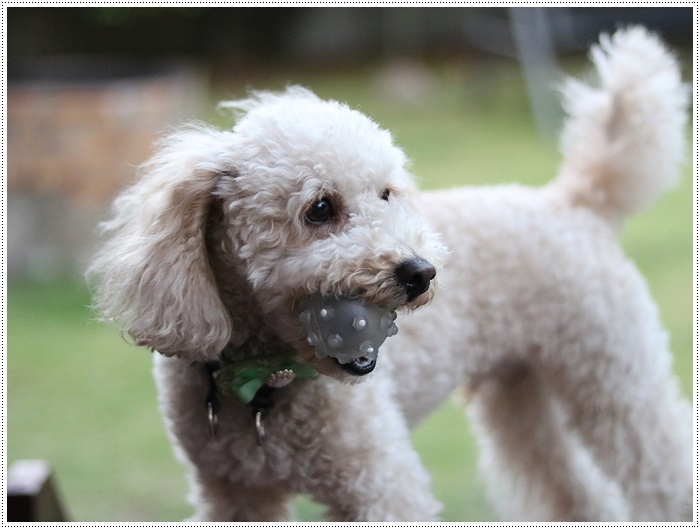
<point>535,468</point>
<point>624,403</point>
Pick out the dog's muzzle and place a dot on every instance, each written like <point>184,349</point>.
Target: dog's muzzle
<point>360,366</point>
<point>414,276</point>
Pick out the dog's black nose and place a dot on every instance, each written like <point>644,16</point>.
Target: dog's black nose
<point>414,276</point>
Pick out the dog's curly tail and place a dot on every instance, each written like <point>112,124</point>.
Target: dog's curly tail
<point>624,141</point>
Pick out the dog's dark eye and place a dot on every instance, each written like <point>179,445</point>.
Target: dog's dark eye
<point>385,194</point>
<point>320,211</point>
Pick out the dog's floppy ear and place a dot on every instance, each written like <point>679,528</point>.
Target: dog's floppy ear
<point>152,275</point>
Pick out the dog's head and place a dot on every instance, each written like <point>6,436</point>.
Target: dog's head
<point>227,232</point>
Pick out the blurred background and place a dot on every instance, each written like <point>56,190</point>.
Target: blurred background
<point>469,93</point>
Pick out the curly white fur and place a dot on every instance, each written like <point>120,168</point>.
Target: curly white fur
<point>539,314</point>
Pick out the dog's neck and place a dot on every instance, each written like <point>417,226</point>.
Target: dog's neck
<point>252,373</point>
<point>255,348</point>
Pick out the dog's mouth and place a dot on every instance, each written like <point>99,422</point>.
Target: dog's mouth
<point>359,366</point>
<point>347,330</point>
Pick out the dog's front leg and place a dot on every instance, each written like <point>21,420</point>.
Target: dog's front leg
<point>220,500</point>
<point>367,469</point>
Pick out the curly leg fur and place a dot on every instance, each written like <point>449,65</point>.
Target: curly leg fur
<point>536,468</point>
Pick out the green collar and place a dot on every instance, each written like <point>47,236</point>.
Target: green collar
<point>244,378</point>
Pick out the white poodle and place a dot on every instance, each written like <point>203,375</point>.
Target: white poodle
<point>538,313</point>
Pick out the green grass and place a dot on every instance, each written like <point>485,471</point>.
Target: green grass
<point>83,398</point>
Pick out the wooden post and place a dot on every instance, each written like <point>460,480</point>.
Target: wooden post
<point>31,494</point>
